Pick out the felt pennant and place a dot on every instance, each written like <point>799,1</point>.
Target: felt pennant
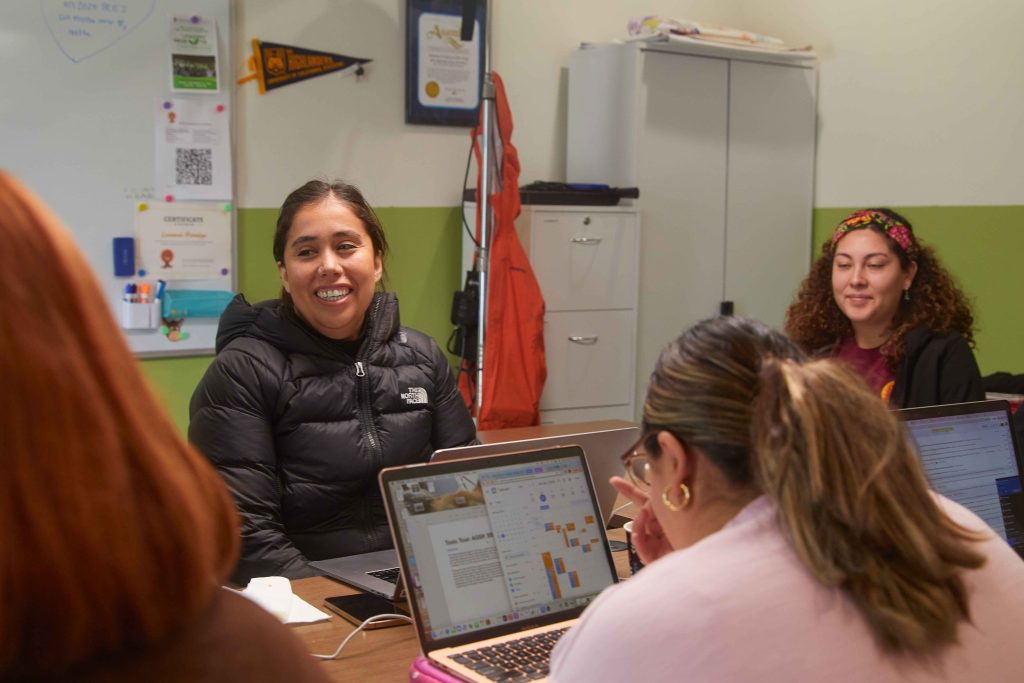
<point>275,65</point>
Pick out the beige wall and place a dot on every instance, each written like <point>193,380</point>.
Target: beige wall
<point>338,127</point>
<point>919,101</point>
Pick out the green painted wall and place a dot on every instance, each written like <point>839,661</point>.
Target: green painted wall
<point>982,246</point>
<point>423,270</point>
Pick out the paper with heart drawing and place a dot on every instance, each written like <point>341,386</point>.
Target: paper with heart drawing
<point>83,28</point>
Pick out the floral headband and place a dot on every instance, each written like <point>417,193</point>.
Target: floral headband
<point>894,229</point>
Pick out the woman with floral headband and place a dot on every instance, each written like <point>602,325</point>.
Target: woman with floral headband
<point>881,302</point>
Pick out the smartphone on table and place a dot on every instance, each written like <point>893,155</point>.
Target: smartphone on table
<point>361,606</point>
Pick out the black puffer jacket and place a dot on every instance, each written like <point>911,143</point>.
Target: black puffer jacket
<point>299,428</point>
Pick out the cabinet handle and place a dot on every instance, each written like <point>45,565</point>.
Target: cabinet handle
<point>586,240</point>
<point>586,220</point>
<point>588,341</point>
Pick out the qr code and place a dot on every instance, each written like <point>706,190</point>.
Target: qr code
<point>193,166</point>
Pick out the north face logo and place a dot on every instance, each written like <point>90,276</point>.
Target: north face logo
<point>415,395</point>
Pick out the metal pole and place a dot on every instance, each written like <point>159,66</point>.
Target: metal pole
<point>486,219</point>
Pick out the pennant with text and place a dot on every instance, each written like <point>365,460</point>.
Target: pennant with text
<point>275,65</point>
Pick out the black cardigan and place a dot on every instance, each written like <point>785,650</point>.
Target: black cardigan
<point>938,368</point>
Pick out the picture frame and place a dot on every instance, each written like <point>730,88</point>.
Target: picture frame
<point>443,73</point>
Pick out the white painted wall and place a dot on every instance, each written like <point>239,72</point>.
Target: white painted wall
<point>920,101</point>
<point>334,126</point>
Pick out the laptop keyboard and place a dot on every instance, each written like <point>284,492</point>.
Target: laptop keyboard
<point>523,659</point>
<point>389,575</point>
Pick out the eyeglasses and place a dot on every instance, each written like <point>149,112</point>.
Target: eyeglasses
<point>638,467</point>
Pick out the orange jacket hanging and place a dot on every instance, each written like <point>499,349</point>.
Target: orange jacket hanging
<point>514,363</point>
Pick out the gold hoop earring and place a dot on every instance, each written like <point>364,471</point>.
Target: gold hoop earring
<point>672,506</point>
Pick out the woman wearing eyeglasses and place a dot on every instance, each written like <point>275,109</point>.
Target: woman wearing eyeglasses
<point>789,534</point>
<point>882,303</point>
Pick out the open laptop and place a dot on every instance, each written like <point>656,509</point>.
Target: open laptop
<point>602,447</point>
<point>603,443</point>
<point>971,456</point>
<point>500,553</point>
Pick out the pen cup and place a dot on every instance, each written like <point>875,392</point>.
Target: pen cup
<point>635,564</point>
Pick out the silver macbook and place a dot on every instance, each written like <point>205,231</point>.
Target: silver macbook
<point>971,456</point>
<point>501,555</point>
<point>603,443</point>
<point>603,447</point>
<point>375,572</point>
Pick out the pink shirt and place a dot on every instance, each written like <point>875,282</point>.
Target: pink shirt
<point>739,606</point>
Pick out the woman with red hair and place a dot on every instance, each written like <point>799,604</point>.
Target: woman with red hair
<point>117,534</point>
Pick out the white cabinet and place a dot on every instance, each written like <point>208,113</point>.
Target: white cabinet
<point>721,145</point>
<point>585,260</point>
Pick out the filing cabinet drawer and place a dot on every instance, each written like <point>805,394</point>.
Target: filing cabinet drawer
<point>584,260</point>
<point>590,357</point>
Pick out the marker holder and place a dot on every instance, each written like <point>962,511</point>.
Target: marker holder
<point>140,316</point>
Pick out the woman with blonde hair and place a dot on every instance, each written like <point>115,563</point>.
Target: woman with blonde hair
<point>882,303</point>
<point>117,535</point>
<point>790,535</point>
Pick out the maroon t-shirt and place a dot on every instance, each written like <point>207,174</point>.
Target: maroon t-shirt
<point>869,364</point>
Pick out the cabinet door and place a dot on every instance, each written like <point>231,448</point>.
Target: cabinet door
<point>771,183</point>
<point>681,175</point>
<point>584,260</point>
<point>589,359</point>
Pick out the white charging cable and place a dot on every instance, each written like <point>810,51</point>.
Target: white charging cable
<point>375,618</point>
<point>623,506</point>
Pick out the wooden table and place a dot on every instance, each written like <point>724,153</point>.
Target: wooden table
<point>378,655</point>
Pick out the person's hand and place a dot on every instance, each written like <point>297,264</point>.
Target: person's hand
<point>648,536</point>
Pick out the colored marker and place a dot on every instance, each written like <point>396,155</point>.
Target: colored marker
<point>128,293</point>
<point>144,293</point>
<point>160,284</point>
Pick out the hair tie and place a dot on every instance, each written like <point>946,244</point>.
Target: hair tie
<point>894,229</point>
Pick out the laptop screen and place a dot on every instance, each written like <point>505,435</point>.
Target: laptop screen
<point>969,454</point>
<point>602,449</point>
<point>495,541</point>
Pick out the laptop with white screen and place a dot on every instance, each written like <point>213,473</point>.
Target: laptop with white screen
<point>500,554</point>
<point>971,456</point>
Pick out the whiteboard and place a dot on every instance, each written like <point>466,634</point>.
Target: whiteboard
<point>77,125</point>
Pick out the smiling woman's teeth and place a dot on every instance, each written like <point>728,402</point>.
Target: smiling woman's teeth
<point>333,294</point>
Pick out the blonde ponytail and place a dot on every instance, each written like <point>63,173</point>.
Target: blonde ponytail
<point>854,502</point>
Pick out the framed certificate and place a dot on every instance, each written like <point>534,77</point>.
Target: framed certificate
<point>443,73</point>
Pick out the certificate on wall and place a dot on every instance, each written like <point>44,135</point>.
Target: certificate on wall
<point>184,241</point>
<point>443,73</point>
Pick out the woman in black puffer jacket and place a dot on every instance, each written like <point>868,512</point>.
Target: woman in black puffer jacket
<point>312,394</point>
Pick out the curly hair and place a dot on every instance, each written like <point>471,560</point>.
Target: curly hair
<point>814,319</point>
